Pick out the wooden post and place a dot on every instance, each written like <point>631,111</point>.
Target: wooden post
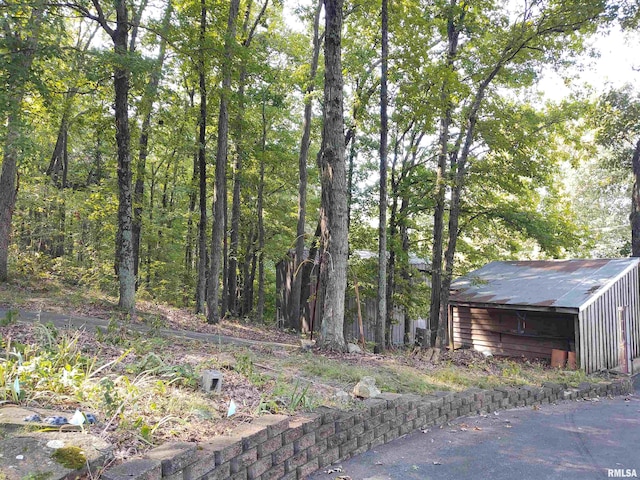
<point>360,326</point>
<point>624,357</point>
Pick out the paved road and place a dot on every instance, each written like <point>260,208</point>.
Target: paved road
<point>90,323</point>
<point>571,440</point>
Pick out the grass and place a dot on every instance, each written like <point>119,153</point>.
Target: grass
<point>144,387</point>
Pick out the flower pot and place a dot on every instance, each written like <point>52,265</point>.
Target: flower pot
<point>558,358</point>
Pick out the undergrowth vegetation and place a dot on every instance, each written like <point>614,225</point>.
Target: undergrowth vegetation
<point>144,388</point>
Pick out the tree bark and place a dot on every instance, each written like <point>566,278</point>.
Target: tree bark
<point>635,204</point>
<point>333,211</point>
<point>261,233</point>
<point>23,51</point>
<point>295,313</point>
<point>201,284</point>
<point>146,111</point>
<point>453,33</point>
<point>213,289</point>
<point>382,215</point>
<point>124,243</point>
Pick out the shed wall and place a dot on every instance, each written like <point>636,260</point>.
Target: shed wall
<point>510,332</point>
<point>599,343</point>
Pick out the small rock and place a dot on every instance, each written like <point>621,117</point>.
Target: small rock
<point>307,344</point>
<point>19,457</point>
<point>353,348</point>
<point>55,444</point>
<point>366,388</point>
<point>342,396</point>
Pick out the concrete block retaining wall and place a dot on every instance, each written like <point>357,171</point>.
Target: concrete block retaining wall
<point>281,447</point>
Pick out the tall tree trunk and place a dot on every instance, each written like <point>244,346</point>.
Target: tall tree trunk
<point>22,51</point>
<point>146,112</point>
<point>261,235</point>
<point>295,313</point>
<point>382,217</point>
<point>193,196</point>
<point>124,244</point>
<point>635,204</point>
<point>213,296</point>
<point>233,290</point>
<point>201,285</point>
<point>333,211</point>
<point>453,33</point>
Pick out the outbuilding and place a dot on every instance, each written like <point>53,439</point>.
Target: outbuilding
<point>529,308</point>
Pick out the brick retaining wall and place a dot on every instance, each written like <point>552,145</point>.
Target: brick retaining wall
<point>281,447</point>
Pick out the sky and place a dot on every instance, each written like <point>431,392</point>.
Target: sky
<point>618,63</point>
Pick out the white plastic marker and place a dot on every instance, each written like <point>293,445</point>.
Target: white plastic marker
<point>77,419</point>
<point>232,408</point>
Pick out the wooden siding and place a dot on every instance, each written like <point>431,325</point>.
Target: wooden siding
<point>598,336</point>
<point>511,333</point>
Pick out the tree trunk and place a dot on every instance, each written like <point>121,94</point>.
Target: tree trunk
<point>201,285</point>
<point>295,313</point>
<point>382,217</point>
<point>23,51</point>
<point>261,235</point>
<point>124,244</point>
<point>333,211</point>
<point>635,204</point>
<point>453,33</point>
<point>146,112</point>
<point>213,289</point>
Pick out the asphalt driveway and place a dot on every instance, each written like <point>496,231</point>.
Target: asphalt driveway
<point>571,440</point>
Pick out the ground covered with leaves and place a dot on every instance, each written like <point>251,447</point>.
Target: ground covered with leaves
<point>145,388</point>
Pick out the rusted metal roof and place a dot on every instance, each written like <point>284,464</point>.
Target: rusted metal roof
<point>540,285</point>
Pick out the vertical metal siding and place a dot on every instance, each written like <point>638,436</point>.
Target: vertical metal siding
<point>599,324</point>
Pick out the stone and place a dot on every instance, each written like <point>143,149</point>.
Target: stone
<point>366,388</point>
<point>342,397</point>
<point>353,348</point>
<point>29,454</point>
<point>307,344</point>
<point>211,381</point>
<point>138,469</point>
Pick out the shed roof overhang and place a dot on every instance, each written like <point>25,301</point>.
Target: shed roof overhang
<point>527,308</point>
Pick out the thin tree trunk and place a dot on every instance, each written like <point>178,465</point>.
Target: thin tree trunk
<point>261,233</point>
<point>333,211</point>
<point>213,296</point>
<point>23,52</point>
<point>382,218</point>
<point>453,33</point>
<point>146,111</point>
<point>295,313</point>
<point>635,204</point>
<point>247,287</point>
<point>201,284</point>
<point>193,195</point>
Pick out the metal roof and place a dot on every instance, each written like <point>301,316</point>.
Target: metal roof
<point>540,285</point>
